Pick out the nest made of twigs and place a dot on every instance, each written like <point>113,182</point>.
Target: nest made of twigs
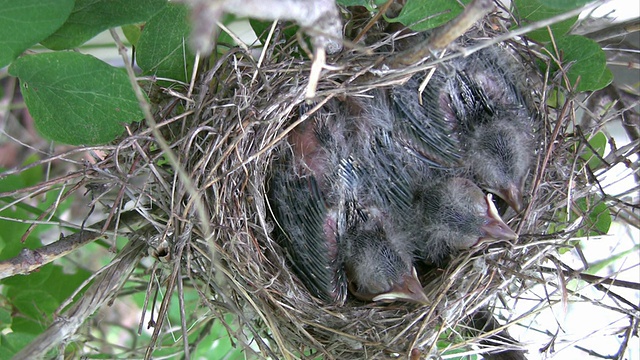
<point>240,116</point>
<point>206,217</point>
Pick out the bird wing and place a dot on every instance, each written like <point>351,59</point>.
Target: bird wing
<point>308,232</point>
<point>422,123</point>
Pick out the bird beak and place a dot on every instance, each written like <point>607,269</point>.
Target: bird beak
<point>495,228</point>
<point>409,289</point>
<point>512,196</point>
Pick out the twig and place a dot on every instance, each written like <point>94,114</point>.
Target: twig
<point>443,36</point>
<point>30,260</point>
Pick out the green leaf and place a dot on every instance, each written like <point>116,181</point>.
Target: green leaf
<point>369,4</point>
<point>22,324</point>
<point>37,295</point>
<point>556,99</point>
<point>162,49</point>
<point>58,283</point>
<point>36,304</point>
<point>76,99</point>
<point>600,217</point>
<point>5,319</point>
<point>25,178</point>
<point>62,284</point>
<point>13,342</point>
<point>420,15</point>
<point>564,4</point>
<point>529,11</point>
<point>33,175</point>
<point>132,33</point>
<point>24,23</point>
<point>12,227</point>
<point>599,143</point>
<point>217,342</point>
<point>353,2</point>
<point>585,60</point>
<point>14,220</point>
<point>10,232</point>
<point>91,17</point>
<point>597,216</point>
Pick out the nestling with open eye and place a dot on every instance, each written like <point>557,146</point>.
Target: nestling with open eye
<point>453,214</point>
<point>479,105</point>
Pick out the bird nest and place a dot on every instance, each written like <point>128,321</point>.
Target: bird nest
<point>197,184</point>
<point>222,229</point>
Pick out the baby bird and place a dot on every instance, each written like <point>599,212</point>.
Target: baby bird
<point>327,212</point>
<point>425,211</point>
<point>377,268</point>
<point>478,107</point>
<point>307,211</point>
<point>308,232</point>
<point>450,215</point>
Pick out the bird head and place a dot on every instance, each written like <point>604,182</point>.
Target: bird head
<point>378,269</point>
<point>470,214</point>
<point>501,159</point>
<point>454,214</point>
